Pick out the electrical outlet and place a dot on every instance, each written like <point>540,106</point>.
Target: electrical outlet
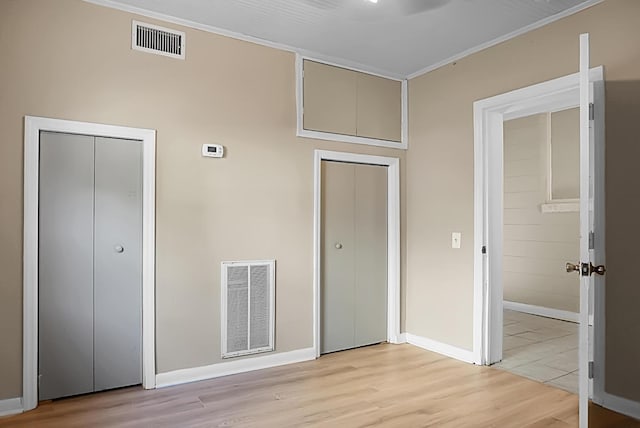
<point>455,239</point>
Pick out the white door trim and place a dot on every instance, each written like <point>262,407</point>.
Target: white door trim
<point>489,115</point>
<point>32,127</point>
<point>393,237</point>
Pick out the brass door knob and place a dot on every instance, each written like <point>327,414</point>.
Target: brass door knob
<point>600,269</point>
<point>573,267</point>
<point>586,269</point>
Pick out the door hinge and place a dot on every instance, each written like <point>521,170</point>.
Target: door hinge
<point>592,112</point>
<point>590,369</point>
<point>484,249</point>
<point>592,240</point>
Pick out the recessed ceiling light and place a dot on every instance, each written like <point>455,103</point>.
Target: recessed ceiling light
<point>373,1</point>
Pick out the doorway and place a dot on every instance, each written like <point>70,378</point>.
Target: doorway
<point>584,89</point>
<point>392,211</point>
<point>34,128</point>
<point>489,117</point>
<point>541,233</point>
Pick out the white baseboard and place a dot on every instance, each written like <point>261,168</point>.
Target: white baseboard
<point>226,368</point>
<point>621,405</point>
<point>10,406</point>
<point>542,311</point>
<point>441,348</point>
<point>402,338</point>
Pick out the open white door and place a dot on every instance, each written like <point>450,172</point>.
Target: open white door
<point>591,266</point>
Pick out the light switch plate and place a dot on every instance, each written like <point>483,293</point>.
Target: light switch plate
<point>455,239</point>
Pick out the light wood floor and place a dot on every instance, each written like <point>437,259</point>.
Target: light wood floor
<point>382,385</point>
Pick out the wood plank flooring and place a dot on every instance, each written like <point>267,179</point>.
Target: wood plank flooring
<point>383,385</point>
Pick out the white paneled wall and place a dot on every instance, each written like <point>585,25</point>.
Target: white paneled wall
<point>536,245</point>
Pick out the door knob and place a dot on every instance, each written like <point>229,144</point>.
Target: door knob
<point>586,268</point>
<point>600,269</point>
<point>573,267</point>
<point>339,246</point>
<point>119,248</point>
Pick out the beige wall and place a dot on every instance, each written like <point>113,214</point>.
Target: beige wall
<point>537,245</point>
<point>440,172</point>
<point>72,60</point>
<point>565,147</point>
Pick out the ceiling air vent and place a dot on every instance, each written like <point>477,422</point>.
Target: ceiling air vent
<point>157,40</point>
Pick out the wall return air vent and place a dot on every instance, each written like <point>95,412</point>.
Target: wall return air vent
<point>248,305</point>
<point>157,40</point>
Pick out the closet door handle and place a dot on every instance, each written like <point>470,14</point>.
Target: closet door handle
<point>119,249</point>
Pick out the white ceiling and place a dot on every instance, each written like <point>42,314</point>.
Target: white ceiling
<point>397,38</point>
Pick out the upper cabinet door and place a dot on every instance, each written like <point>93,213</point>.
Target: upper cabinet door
<point>351,106</point>
<point>379,107</point>
<point>329,98</point>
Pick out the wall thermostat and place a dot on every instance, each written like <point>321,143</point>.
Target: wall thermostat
<point>212,150</point>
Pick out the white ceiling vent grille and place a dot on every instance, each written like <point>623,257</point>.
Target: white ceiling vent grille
<point>247,307</point>
<point>157,40</point>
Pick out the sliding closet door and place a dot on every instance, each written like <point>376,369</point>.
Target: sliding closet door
<point>65,327</point>
<point>118,263</point>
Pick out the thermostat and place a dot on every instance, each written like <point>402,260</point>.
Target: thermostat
<point>212,150</point>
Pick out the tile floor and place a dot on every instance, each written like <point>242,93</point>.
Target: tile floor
<point>542,349</point>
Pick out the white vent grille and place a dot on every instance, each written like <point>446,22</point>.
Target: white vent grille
<point>157,40</point>
<point>247,307</point>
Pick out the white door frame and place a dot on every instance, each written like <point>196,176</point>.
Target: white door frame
<point>489,115</point>
<point>393,237</point>
<point>32,128</point>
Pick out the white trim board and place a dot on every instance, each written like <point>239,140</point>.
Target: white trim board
<point>488,117</point>
<point>32,127</point>
<point>441,348</point>
<point>558,314</point>
<point>486,45</point>
<point>10,406</point>
<point>329,136</point>
<point>226,368</point>
<point>393,237</point>
<point>560,207</point>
